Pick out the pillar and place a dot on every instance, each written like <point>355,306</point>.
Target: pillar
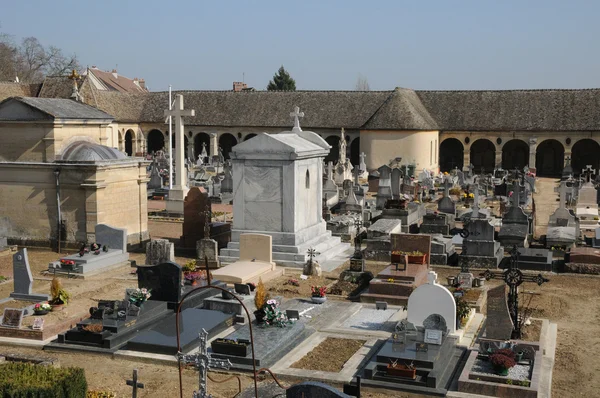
<point>498,162</point>
<point>466,157</point>
<point>532,151</point>
<point>214,145</point>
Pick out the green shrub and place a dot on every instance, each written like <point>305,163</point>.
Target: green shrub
<point>25,380</point>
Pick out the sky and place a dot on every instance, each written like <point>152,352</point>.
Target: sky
<point>324,44</point>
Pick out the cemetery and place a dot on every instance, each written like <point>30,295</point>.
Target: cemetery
<point>325,276</point>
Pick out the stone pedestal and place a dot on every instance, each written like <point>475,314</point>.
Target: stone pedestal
<point>208,249</point>
<point>175,203</point>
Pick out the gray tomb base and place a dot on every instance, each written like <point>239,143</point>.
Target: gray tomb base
<point>162,339</point>
<point>23,280</point>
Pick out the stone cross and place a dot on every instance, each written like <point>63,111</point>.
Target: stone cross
<point>330,170</point>
<point>431,277</point>
<point>362,164</point>
<point>178,112</point>
<point>588,172</point>
<point>296,115</point>
<point>562,192</point>
<point>207,219</point>
<point>204,362</point>
<point>134,383</point>
<point>204,154</point>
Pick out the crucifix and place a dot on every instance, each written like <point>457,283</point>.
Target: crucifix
<point>296,115</point>
<point>513,277</point>
<point>134,383</point>
<point>312,253</point>
<point>588,172</point>
<point>358,225</point>
<point>446,187</point>
<point>204,362</point>
<point>207,219</point>
<point>177,113</point>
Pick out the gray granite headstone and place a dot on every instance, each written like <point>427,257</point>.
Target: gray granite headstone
<point>499,325</point>
<point>314,389</point>
<point>114,238</point>
<point>208,249</point>
<point>23,281</point>
<point>159,251</point>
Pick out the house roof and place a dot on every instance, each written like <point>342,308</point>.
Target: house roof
<point>60,108</point>
<point>10,89</point>
<point>116,82</point>
<point>556,110</point>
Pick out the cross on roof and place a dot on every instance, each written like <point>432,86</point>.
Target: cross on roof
<point>134,383</point>
<point>204,362</point>
<point>296,115</point>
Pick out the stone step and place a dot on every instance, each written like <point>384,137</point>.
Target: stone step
<point>391,300</point>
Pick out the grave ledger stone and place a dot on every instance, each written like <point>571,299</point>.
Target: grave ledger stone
<point>23,280</point>
<point>159,251</point>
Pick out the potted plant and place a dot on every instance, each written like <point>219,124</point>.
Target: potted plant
<point>401,370</point>
<point>42,308</point>
<point>193,277</point>
<point>399,257</point>
<point>502,360</point>
<point>463,309</point>
<point>318,294</point>
<point>139,296</point>
<point>273,316</point>
<point>59,296</point>
<point>239,348</point>
<point>260,300</point>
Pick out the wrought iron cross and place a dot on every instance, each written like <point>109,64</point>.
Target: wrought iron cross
<point>513,277</point>
<point>358,224</point>
<point>312,253</point>
<point>134,383</point>
<point>204,362</point>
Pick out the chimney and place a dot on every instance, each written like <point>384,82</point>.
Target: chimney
<point>239,86</point>
<point>114,73</point>
<point>142,84</point>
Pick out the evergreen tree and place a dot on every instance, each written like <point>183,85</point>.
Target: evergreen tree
<point>282,81</point>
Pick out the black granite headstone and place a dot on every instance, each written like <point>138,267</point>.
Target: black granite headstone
<point>242,288</point>
<point>164,281</point>
<point>314,389</point>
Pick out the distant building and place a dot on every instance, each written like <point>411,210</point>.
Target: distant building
<point>112,81</point>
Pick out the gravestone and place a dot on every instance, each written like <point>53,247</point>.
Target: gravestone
<point>113,238</point>
<point>378,238</point>
<point>12,318</point>
<point>432,299</point>
<point>411,242</point>
<point>159,251</point>
<point>499,325</point>
<point>227,182</point>
<point>446,204</point>
<point>23,280</point>
<point>587,206</point>
<point>208,249</point>
<point>442,250</point>
<point>515,223</point>
<point>563,228</point>
<point>480,250</point>
<point>196,212</point>
<point>396,182</point>
<point>330,189</point>
<point>156,181</point>
<point>384,191</point>
<point>164,281</point>
<point>436,224</point>
<point>313,389</point>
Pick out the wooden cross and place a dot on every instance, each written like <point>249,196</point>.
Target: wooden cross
<point>204,362</point>
<point>134,383</point>
<point>296,115</point>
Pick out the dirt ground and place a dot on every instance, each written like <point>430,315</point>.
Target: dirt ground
<point>330,355</point>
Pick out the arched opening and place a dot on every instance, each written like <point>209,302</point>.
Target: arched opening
<point>226,142</point>
<point>549,158</point>
<point>355,151</point>
<point>156,141</point>
<point>515,155</point>
<point>129,137</point>
<point>334,153</point>
<point>307,180</point>
<point>451,154</point>
<point>585,152</point>
<point>199,140</point>
<point>483,155</point>
<point>249,136</point>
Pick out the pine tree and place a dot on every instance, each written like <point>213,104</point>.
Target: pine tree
<point>282,81</point>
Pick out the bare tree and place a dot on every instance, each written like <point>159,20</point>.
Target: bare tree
<point>31,61</point>
<point>362,84</point>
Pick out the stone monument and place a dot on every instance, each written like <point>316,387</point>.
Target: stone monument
<point>23,280</point>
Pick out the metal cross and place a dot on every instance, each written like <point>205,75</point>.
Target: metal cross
<point>588,172</point>
<point>204,362</point>
<point>312,253</point>
<point>207,219</point>
<point>134,383</point>
<point>513,277</point>
<point>296,115</point>
<point>358,224</point>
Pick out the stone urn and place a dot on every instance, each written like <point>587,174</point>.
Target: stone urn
<point>318,300</point>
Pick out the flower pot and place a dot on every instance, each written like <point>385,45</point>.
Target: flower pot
<point>194,283</point>
<point>226,295</point>
<point>476,282</point>
<point>451,280</point>
<point>136,302</point>
<point>417,259</point>
<point>57,307</point>
<point>318,300</point>
<point>40,312</point>
<point>401,371</point>
<point>230,347</point>
<point>260,316</point>
<point>519,356</point>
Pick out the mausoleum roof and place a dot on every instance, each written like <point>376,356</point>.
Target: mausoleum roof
<point>84,151</point>
<point>286,145</point>
<point>54,108</point>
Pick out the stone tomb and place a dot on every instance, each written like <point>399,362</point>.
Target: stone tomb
<point>410,213</point>
<point>563,227</point>
<point>425,340</point>
<point>255,259</point>
<point>393,284</point>
<point>480,250</point>
<point>587,207</point>
<point>277,191</point>
<point>515,224</point>
<point>437,223</point>
<point>23,280</point>
<point>207,250</point>
<point>442,250</point>
<point>378,239</point>
<point>584,260</point>
<point>115,239</point>
<point>532,259</point>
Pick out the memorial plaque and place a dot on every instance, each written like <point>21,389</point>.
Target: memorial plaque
<point>357,264</point>
<point>433,336</point>
<point>242,288</point>
<point>12,318</point>
<point>422,347</point>
<point>38,324</point>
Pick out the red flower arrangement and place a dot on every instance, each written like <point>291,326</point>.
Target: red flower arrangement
<point>318,291</point>
<point>67,262</point>
<point>504,359</point>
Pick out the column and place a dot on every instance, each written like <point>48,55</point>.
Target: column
<point>532,151</point>
<point>466,158</point>
<point>498,163</point>
<point>213,149</point>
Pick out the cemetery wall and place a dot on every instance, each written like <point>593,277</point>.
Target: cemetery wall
<point>89,195</point>
<point>383,145</point>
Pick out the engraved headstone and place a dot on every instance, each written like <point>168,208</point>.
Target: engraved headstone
<point>208,249</point>
<point>23,280</point>
<point>499,325</point>
<point>159,251</point>
<point>164,280</point>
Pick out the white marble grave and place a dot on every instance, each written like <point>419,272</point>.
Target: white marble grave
<point>277,190</point>
<point>432,299</point>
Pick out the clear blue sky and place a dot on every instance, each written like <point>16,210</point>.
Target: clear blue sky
<point>452,44</point>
